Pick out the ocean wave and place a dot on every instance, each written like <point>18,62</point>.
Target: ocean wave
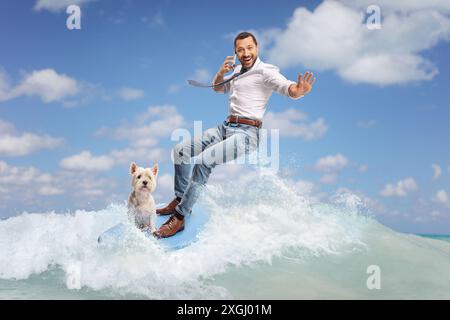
<point>261,232</point>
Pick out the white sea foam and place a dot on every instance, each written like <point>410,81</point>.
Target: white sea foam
<point>259,228</point>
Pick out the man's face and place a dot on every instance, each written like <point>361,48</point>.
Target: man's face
<point>247,52</point>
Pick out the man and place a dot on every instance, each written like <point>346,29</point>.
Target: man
<point>250,89</point>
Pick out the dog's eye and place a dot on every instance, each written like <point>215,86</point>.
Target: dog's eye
<point>139,176</point>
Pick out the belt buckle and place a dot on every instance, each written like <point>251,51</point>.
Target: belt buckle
<point>235,123</point>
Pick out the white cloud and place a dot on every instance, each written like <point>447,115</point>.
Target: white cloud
<point>18,176</point>
<point>82,184</point>
<point>401,189</point>
<point>144,135</point>
<point>331,166</point>
<point>388,69</point>
<point>264,37</point>
<point>156,123</point>
<point>145,142</point>
<point>143,156</point>
<point>25,144</point>
<point>174,88</point>
<point>292,123</point>
<point>334,37</point>
<point>4,84</point>
<point>165,181</point>
<point>92,192</point>
<point>437,171</point>
<point>57,5</point>
<point>367,124</point>
<point>402,5</point>
<point>14,144</point>
<point>26,182</point>
<point>442,198</point>
<point>329,178</point>
<point>85,161</point>
<point>331,163</point>
<point>435,214</point>
<point>202,75</point>
<point>46,84</point>
<point>50,191</point>
<point>363,168</point>
<point>129,94</point>
<point>29,188</point>
<point>6,127</point>
<point>164,187</point>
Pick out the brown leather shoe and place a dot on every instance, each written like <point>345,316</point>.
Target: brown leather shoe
<point>170,227</point>
<point>169,209</point>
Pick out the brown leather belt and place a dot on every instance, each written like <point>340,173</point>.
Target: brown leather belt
<point>250,122</point>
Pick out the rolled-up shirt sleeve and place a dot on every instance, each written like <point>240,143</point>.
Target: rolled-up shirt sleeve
<point>273,79</point>
<point>225,88</point>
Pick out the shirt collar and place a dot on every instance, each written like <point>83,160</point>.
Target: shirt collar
<point>255,64</point>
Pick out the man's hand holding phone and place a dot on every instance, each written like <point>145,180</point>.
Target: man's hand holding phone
<point>228,65</point>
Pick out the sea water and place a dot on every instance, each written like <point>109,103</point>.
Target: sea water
<point>269,242</point>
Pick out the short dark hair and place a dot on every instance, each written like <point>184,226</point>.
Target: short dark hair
<point>244,35</point>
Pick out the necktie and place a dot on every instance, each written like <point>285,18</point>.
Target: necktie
<point>202,85</point>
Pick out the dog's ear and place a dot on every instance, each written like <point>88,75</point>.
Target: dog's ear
<point>133,168</point>
<point>155,169</point>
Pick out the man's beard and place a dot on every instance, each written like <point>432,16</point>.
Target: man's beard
<point>250,66</point>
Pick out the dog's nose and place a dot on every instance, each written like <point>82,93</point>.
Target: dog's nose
<point>145,183</point>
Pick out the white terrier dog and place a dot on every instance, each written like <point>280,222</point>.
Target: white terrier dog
<point>141,206</point>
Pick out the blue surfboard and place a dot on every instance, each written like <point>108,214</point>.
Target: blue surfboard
<point>193,224</point>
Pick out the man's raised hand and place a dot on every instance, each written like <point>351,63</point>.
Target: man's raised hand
<point>305,83</point>
<point>228,65</point>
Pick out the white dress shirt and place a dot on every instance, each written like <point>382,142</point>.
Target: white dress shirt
<point>250,92</point>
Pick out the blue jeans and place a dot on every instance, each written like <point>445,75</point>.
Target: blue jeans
<point>218,145</point>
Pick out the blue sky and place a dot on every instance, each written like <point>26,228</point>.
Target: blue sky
<point>77,105</point>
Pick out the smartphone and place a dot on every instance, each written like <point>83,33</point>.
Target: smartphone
<point>235,60</point>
